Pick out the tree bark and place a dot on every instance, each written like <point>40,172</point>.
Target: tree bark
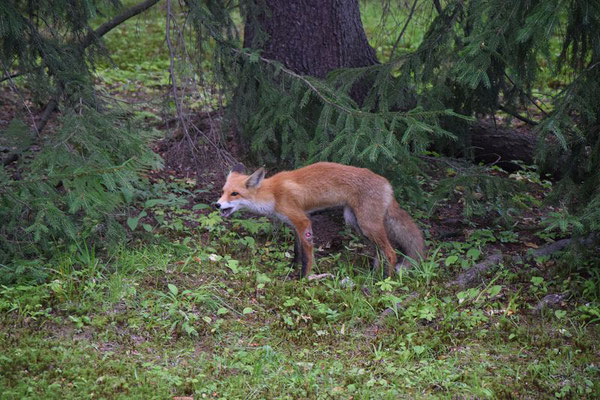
<point>311,37</point>
<point>502,146</point>
<point>496,144</point>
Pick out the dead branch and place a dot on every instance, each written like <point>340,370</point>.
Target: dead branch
<point>410,15</point>
<point>473,274</point>
<point>559,245</point>
<point>116,21</point>
<point>517,115</point>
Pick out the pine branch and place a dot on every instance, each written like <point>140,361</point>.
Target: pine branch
<point>91,172</point>
<point>14,87</point>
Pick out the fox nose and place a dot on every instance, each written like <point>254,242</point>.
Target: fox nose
<point>218,205</point>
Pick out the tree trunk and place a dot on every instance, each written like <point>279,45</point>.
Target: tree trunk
<point>500,145</point>
<point>314,37</point>
<point>496,144</point>
<point>311,37</point>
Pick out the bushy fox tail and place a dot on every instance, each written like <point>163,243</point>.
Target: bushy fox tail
<point>403,232</point>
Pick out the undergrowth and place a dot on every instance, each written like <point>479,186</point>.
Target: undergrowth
<point>207,308</point>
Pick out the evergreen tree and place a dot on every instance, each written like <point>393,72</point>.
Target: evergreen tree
<point>68,183</point>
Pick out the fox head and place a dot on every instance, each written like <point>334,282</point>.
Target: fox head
<point>239,191</point>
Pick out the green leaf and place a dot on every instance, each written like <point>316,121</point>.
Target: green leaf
<point>233,265</point>
<point>247,310</point>
<point>450,260</point>
<point>133,222</point>
<point>537,280</point>
<point>473,254</point>
<point>173,289</point>
<point>560,314</point>
<point>494,290</point>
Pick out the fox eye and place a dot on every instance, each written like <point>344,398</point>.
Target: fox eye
<point>234,193</point>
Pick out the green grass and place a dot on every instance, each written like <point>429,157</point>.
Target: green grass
<point>139,58</point>
<point>216,316</point>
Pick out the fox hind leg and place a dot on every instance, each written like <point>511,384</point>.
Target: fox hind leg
<point>350,218</point>
<point>374,230</point>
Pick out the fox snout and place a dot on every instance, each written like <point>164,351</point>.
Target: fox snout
<point>225,209</point>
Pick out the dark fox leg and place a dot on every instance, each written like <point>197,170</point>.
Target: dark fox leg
<point>373,228</point>
<point>297,250</point>
<point>304,235</point>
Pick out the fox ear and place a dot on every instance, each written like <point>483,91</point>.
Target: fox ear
<point>256,178</point>
<point>239,168</point>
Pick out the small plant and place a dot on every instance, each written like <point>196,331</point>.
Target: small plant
<point>538,285</point>
<point>427,269</point>
<point>188,310</point>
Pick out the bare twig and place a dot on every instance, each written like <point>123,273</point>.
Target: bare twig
<point>532,100</point>
<point>410,15</point>
<point>185,124</point>
<point>16,75</point>
<point>16,90</point>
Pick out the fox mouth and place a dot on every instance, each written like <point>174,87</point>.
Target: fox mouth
<point>226,212</point>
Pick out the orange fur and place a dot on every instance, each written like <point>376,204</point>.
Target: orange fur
<point>291,195</point>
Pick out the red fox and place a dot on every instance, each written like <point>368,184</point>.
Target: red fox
<point>367,198</point>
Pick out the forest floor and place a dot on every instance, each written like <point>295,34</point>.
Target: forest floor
<point>201,307</point>
<point>195,306</point>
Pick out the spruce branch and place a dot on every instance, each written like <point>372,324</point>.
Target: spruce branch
<point>12,76</point>
<point>86,42</point>
<point>91,172</point>
<point>16,90</point>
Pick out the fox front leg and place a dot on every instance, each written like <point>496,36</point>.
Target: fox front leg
<point>303,228</point>
<point>306,248</point>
